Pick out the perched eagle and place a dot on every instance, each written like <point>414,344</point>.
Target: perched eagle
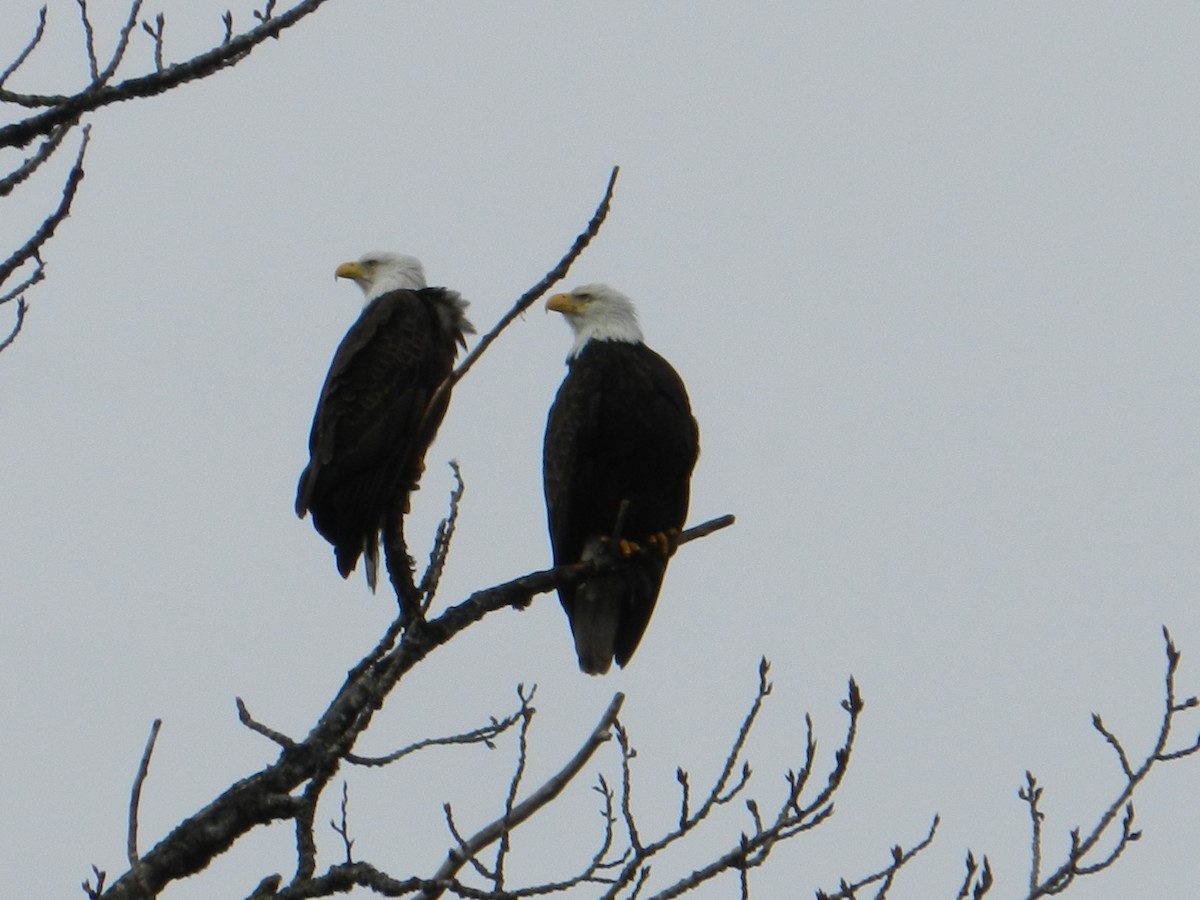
<point>617,462</point>
<point>373,422</point>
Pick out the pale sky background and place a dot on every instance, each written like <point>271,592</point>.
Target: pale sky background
<point>929,271</point>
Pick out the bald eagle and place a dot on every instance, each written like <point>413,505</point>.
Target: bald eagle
<point>373,423</point>
<point>617,462</point>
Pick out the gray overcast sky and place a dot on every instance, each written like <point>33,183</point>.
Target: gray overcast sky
<point>930,273</point>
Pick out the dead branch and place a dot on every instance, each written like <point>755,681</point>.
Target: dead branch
<point>886,876</point>
<point>34,162</point>
<point>522,811</point>
<point>514,785</point>
<point>1082,846</point>
<point>751,849</point>
<point>485,735</point>
<point>56,115</point>
<point>978,880</point>
<point>30,249</point>
<point>526,300</point>
<point>38,33</point>
<point>269,733</point>
<point>135,798</point>
<point>267,796</point>
<point>342,829</point>
<point>441,542</point>
<point>19,321</point>
<point>66,109</point>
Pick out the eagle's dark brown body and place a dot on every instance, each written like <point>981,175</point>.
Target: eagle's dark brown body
<point>373,423</point>
<point>620,429</point>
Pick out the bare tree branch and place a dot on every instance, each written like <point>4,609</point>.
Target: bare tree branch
<point>527,807</point>
<point>485,735</point>
<point>16,329</point>
<point>38,33</point>
<point>89,38</point>
<point>530,297</point>
<point>34,162</point>
<point>157,32</point>
<point>441,542</point>
<point>268,795</point>
<point>978,880</point>
<point>135,798</point>
<point>58,114</point>
<point>886,876</point>
<point>750,849</point>
<point>64,109</point>
<point>45,231</point>
<point>270,734</point>
<point>558,273</point>
<point>514,784</point>
<point>1074,866</point>
<point>342,829</point>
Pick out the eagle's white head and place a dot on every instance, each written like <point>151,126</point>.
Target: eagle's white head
<point>597,312</point>
<point>378,273</point>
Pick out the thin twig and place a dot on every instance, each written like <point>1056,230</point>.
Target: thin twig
<point>441,542</point>
<point>156,32</point>
<point>24,54</point>
<point>484,735</point>
<point>122,45</point>
<point>527,807</point>
<point>343,829</point>
<point>627,755</point>
<point>34,162</point>
<point>45,231</point>
<point>89,40</point>
<point>886,876</point>
<point>1098,724</point>
<point>135,798</point>
<point>980,885</point>
<point>270,734</point>
<point>94,890</point>
<point>16,329</point>
<point>531,296</point>
<point>514,785</point>
<point>1032,795</point>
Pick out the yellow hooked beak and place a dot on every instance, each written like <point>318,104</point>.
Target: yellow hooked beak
<point>349,270</point>
<point>564,303</point>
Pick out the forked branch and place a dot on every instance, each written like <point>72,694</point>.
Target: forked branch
<point>1081,857</point>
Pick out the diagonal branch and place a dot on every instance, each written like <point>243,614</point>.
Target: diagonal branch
<point>45,231</point>
<point>527,807</point>
<point>1081,846</point>
<point>67,108</point>
<point>38,33</point>
<point>22,306</point>
<point>526,300</point>
<point>34,162</point>
<point>885,877</point>
<point>103,77</point>
<point>441,542</point>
